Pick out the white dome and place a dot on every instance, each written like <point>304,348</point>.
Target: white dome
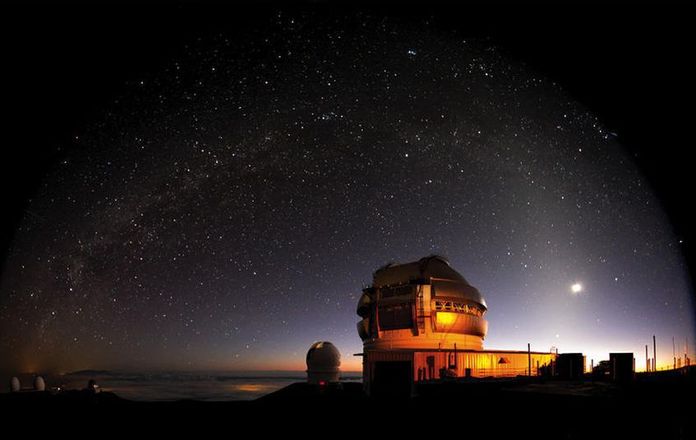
<point>39,383</point>
<point>323,360</point>
<point>323,357</point>
<point>15,385</point>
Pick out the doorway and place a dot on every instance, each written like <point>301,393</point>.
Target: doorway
<point>392,379</point>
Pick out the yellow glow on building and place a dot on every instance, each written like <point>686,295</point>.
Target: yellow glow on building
<point>446,319</point>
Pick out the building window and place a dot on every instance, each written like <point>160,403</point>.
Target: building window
<point>453,306</point>
<point>406,289</point>
<point>395,316</point>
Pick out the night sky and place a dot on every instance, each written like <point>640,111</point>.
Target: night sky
<point>225,206</point>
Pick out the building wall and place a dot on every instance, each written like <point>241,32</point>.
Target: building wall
<point>427,364</point>
<point>480,364</point>
<point>372,357</point>
<point>570,366</point>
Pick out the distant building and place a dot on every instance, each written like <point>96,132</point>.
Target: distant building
<point>602,370</point>
<point>323,363</point>
<point>570,366</point>
<point>622,366</point>
<point>423,321</point>
<point>39,384</point>
<point>15,385</point>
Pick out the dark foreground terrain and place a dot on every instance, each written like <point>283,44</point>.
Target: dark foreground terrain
<point>650,407</point>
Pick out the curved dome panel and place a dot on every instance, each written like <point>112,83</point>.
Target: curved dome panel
<point>364,328</point>
<point>364,306</point>
<point>434,269</point>
<point>458,291</point>
<point>429,267</point>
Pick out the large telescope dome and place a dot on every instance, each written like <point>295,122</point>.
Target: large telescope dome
<point>422,304</point>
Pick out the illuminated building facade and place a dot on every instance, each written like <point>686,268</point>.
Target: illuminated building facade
<point>423,321</point>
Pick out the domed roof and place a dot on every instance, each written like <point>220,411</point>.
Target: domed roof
<point>323,356</point>
<point>39,384</point>
<point>435,269</point>
<point>15,385</point>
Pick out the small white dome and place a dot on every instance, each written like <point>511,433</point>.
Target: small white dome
<point>39,384</point>
<point>323,360</point>
<point>323,356</point>
<point>15,385</point>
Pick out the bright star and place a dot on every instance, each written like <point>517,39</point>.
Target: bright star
<point>576,288</point>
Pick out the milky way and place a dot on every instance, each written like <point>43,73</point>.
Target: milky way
<point>227,209</point>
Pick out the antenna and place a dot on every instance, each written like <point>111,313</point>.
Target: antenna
<point>654,354</point>
<point>529,359</point>
<point>686,352</point>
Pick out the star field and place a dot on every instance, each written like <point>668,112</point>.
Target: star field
<point>226,210</point>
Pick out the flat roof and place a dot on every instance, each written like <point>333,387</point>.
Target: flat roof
<point>435,350</point>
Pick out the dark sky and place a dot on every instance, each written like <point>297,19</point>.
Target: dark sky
<point>210,188</point>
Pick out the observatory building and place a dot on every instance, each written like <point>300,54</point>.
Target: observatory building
<point>323,362</point>
<point>423,321</point>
